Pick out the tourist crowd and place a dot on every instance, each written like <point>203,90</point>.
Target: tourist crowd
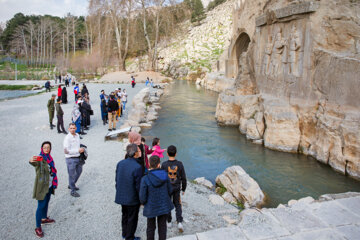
<point>139,181</point>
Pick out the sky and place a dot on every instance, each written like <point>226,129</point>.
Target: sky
<point>8,8</point>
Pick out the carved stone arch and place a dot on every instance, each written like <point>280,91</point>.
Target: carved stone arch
<point>237,47</point>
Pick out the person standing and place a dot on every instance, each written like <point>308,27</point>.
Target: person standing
<point>51,110</point>
<point>155,191</point>
<point>124,99</point>
<point>113,107</point>
<point>45,184</point>
<point>177,176</point>
<point>59,91</point>
<point>76,91</point>
<point>84,91</point>
<point>72,152</point>
<point>60,117</point>
<point>102,97</point>
<point>104,110</point>
<point>127,184</point>
<point>64,95</point>
<point>76,118</point>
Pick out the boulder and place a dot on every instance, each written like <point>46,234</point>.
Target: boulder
<point>217,82</point>
<point>228,197</point>
<point>216,199</point>
<point>204,182</point>
<point>244,188</point>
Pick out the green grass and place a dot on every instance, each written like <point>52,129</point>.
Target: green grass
<point>16,87</point>
<point>221,189</point>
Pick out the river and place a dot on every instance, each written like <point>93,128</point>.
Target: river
<point>187,121</point>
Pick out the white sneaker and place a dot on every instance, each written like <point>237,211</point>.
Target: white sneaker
<point>180,227</point>
<point>168,224</point>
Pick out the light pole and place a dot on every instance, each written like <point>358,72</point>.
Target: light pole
<point>15,71</point>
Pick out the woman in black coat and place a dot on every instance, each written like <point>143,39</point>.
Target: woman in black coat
<point>64,95</point>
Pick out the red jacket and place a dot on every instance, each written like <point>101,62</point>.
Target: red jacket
<point>59,92</point>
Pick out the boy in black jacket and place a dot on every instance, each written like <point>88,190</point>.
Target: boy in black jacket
<point>176,173</point>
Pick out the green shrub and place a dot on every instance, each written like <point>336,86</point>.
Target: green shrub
<point>214,4</point>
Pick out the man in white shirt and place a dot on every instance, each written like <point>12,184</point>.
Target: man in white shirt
<point>72,152</point>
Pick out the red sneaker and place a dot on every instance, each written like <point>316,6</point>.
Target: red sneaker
<point>39,233</point>
<point>47,221</point>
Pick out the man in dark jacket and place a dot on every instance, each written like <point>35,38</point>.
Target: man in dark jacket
<point>113,108</point>
<point>60,117</point>
<point>155,191</point>
<point>87,109</point>
<point>127,184</point>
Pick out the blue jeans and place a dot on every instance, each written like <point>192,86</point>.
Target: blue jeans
<point>41,211</point>
<point>74,167</point>
<point>124,102</point>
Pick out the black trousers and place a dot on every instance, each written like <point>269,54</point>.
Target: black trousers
<point>60,123</point>
<point>177,203</point>
<point>129,221</point>
<point>151,227</point>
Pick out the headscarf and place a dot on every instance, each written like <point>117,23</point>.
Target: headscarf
<point>51,163</point>
<point>75,114</point>
<point>134,137</point>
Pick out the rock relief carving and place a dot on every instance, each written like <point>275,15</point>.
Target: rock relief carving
<point>294,53</point>
<point>277,53</point>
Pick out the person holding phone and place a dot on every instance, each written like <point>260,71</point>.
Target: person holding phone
<point>45,184</point>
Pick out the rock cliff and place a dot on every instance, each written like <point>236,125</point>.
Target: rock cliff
<point>295,67</point>
<point>198,47</point>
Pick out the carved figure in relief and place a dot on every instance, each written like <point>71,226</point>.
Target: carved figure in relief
<point>267,57</point>
<point>294,54</point>
<point>278,50</point>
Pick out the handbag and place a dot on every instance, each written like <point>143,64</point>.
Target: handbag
<point>91,112</point>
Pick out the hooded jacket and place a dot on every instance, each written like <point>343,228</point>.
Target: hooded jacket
<point>155,191</point>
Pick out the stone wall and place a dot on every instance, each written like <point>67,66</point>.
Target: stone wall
<point>297,82</point>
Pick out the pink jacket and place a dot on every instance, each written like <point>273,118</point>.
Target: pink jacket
<point>158,151</point>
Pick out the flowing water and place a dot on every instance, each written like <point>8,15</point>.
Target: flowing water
<point>187,121</point>
<point>9,94</point>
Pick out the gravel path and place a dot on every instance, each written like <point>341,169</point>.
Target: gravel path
<point>24,126</point>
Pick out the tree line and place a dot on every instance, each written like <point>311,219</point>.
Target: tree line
<point>112,31</point>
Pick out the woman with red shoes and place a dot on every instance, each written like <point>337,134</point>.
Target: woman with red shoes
<point>45,184</point>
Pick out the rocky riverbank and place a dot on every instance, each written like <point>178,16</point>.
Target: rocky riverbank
<point>335,216</point>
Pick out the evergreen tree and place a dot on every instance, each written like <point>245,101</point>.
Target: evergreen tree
<point>197,11</point>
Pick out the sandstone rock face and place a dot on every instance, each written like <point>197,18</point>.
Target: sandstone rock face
<point>241,186</point>
<point>227,110</point>
<point>301,59</point>
<point>216,82</point>
<point>282,126</point>
<point>204,182</point>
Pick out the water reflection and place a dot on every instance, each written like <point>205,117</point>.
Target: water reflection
<point>187,121</point>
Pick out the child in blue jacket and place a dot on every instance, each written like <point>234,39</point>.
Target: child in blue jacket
<point>155,191</point>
